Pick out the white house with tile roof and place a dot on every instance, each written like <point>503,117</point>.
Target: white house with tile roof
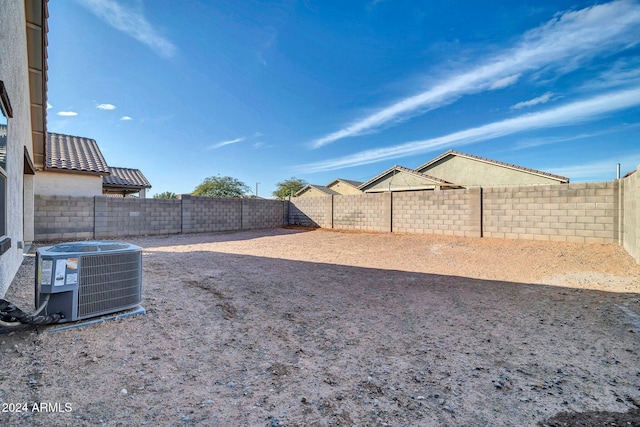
<point>74,166</point>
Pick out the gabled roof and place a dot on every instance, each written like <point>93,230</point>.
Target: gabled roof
<point>321,188</point>
<point>397,168</point>
<point>562,179</point>
<point>74,154</point>
<point>125,178</point>
<point>354,184</point>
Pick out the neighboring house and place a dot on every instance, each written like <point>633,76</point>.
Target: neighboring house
<point>311,190</point>
<point>344,186</point>
<point>74,166</point>
<point>336,187</point>
<point>467,170</point>
<point>398,178</point>
<point>125,182</point>
<point>452,169</point>
<point>23,99</point>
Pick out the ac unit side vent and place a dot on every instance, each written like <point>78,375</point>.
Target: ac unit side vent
<point>109,281</point>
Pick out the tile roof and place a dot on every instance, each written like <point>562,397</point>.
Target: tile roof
<point>74,153</point>
<point>495,162</point>
<point>402,169</point>
<point>125,178</point>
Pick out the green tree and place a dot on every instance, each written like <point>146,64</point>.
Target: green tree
<point>165,195</point>
<point>288,187</point>
<point>221,186</point>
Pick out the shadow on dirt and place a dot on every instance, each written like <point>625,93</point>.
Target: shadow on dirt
<point>276,341</point>
<point>594,419</point>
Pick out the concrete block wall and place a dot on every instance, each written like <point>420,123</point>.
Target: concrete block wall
<point>311,212</point>
<point>451,212</point>
<point>261,213</point>
<point>630,214</point>
<point>582,213</point>
<point>206,214</point>
<point>101,217</point>
<point>370,212</point>
<point>117,217</point>
<point>63,217</point>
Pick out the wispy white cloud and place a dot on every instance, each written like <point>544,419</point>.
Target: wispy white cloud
<point>599,170</point>
<point>67,113</point>
<point>537,142</point>
<point>622,73</point>
<point>131,22</point>
<point>567,114</point>
<point>223,143</point>
<point>535,101</point>
<point>49,106</point>
<point>106,107</point>
<point>126,118</point>
<point>235,141</point>
<point>561,45</point>
<point>505,82</point>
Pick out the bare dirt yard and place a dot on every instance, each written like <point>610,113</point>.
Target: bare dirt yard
<point>294,327</point>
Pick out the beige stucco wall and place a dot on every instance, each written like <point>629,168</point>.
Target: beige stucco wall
<point>630,197</point>
<point>312,192</point>
<point>67,184</point>
<point>470,172</point>
<point>15,75</point>
<point>401,181</point>
<point>344,188</point>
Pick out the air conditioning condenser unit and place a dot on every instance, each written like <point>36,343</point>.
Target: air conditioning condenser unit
<point>88,279</point>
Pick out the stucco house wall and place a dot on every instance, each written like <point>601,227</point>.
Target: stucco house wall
<point>471,172</point>
<point>14,74</point>
<point>630,206</point>
<point>343,188</point>
<point>67,184</point>
<point>400,181</point>
<point>312,192</point>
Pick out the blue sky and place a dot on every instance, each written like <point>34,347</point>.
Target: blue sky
<point>319,89</point>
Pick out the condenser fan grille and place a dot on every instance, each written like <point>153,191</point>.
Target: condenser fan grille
<point>108,282</point>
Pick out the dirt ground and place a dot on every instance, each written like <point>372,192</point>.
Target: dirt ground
<point>293,327</point>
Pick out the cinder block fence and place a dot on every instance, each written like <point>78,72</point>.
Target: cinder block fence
<point>101,217</point>
<point>602,212</point>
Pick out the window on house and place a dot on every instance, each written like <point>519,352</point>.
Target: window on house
<point>5,113</point>
<point>3,175</point>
